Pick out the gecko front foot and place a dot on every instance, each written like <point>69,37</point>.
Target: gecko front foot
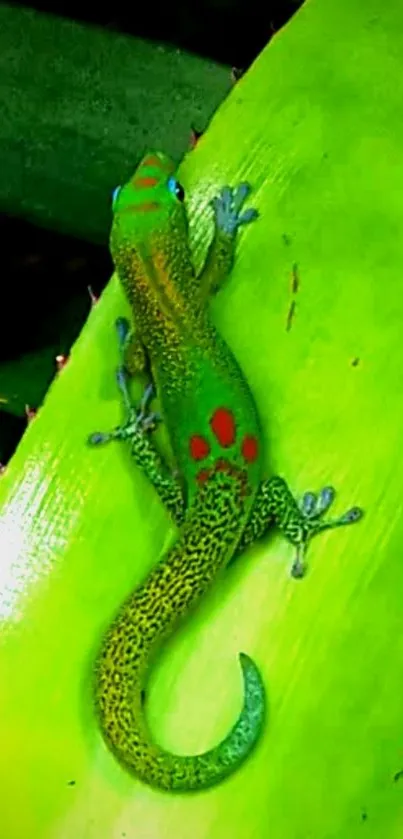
<point>227,208</point>
<point>312,509</point>
<point>139,419</point>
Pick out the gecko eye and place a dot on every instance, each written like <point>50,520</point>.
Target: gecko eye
<point>176,188</point>
<point>115,194</point>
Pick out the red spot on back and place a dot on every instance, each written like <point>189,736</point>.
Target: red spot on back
<point>202,476</point>
<point>145,181</point>
<point>153,160</point>
<point>223,425</point>
<point>199,447</point>
<point>250,448</point>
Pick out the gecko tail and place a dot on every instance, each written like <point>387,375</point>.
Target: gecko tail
<point>176,773</point>
<point>148,616</point>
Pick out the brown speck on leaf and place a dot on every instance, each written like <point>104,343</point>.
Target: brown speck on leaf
<point>364,816</point>
<point>355,362</point>
<point>290,315</point>
<point>286,239</point>
<point>71,783</point>
<point>194,136</point>
<point>295,278</point>
<point>30,413</point>
<point>398,775</point>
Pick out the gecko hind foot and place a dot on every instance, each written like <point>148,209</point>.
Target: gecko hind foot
<point>227,208</point>
<point>313,507</point>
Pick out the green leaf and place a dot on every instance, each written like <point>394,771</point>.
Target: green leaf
<point>315,125</point>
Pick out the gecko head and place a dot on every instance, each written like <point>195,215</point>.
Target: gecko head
<point>148,208</point>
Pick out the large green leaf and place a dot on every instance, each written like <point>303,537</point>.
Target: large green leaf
<point>316,127</point>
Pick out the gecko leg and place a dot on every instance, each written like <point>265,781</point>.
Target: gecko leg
<point>228,218</point>
<point>137,428</point>
<point>133,354</point>
<point>275,505</point>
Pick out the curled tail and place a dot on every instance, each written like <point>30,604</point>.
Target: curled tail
<point>129,742</point>
<point>149,614</point>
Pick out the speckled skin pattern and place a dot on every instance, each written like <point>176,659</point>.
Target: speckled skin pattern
<point>215,494</point>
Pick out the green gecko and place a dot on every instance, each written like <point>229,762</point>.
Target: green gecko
<point>216,494</point>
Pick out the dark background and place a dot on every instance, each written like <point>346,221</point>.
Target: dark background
<point>42,317</point>
<point>229,31</point>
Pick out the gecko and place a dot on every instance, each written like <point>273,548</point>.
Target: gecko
<point>215,491</point>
